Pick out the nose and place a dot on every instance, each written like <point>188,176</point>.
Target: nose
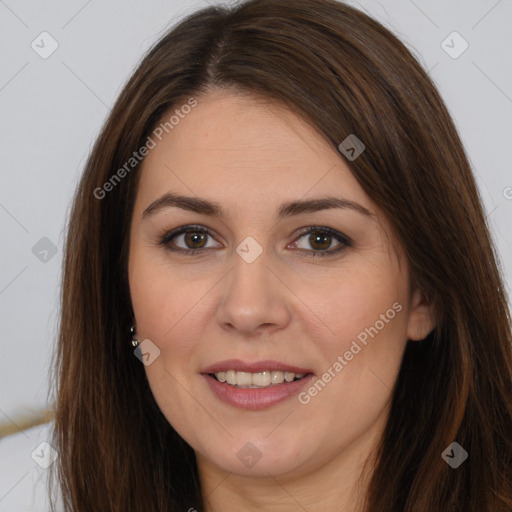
<point>254,300</point>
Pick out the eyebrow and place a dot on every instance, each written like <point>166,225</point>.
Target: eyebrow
<point>289,209</point>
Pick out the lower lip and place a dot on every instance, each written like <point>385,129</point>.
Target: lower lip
<point>256,398</point>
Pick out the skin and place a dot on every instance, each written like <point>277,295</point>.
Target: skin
<point>250,156</point>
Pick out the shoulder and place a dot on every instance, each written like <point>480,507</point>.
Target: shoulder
<point>24,461</point>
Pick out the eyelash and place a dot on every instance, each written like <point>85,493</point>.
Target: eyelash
<point>343,239</point>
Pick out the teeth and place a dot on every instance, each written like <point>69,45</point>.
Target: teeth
<point>288,377</point>
<point>243,379</point>
<point>277,377</point>
<point>260,379</point>
<point>256,380</point>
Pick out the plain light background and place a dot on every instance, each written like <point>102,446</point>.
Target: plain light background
<point>51,110</point>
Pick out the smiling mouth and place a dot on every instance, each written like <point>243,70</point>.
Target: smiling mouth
<point>264,379</point>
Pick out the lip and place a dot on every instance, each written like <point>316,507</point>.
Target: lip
<point>253,367</point>
<point>256,398</point>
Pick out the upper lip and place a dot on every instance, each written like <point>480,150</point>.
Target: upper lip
<point>253,367</point>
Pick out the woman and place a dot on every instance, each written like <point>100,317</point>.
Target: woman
<point>280,217</point>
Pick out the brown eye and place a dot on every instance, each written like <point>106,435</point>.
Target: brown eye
<point>195,239</point>
<point>188,239</point>
<point>319,241</point>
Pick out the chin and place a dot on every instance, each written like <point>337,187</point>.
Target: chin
<point>258,459</point>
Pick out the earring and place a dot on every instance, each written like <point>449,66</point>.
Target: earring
<point>135,342</point>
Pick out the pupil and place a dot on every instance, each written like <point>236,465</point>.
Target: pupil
<point>193,237</point>
<point>316,238</point>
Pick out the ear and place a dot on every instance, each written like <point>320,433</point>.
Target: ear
<point>421,317</point>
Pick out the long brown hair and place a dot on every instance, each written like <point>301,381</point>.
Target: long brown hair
<point>345,74</point>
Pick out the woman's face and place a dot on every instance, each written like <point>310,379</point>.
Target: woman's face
<point>264,296</point>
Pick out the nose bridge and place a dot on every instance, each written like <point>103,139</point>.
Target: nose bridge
<point>253,295</point>
<point>250,269</point>
<point>251,274</point>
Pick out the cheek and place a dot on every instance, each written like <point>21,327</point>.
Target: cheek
<point>360,330</point>
<point>160,294</point>
<point>367,319</point>
<point>356,304</point>
<point>170,307</point>
<point>151,302</point>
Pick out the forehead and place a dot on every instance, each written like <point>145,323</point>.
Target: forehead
<point>240,148</point>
